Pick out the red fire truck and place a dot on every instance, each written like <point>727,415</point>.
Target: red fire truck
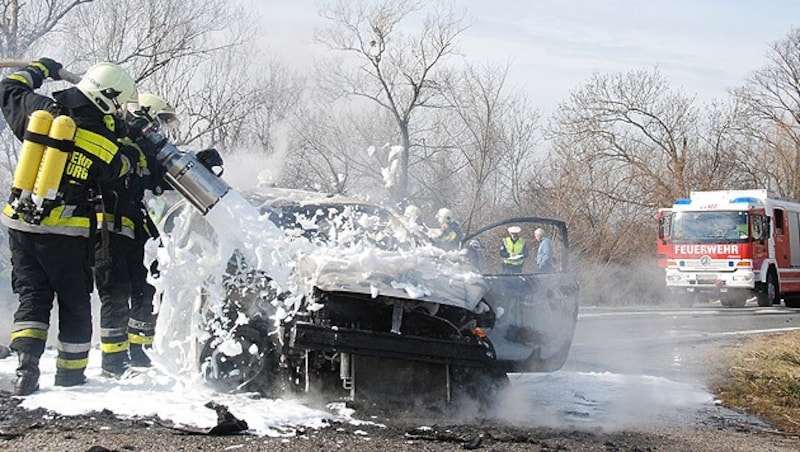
<point>732,245</point>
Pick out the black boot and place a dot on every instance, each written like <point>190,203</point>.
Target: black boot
<point>70,377</point>
<point>27,374</point>
<point>117,365</point>
<point>139,356</point>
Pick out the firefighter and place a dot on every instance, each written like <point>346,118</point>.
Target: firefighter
<point>449,237</point>
<point>127,322</point>
<point>50,229</point>
<point>514,251</point>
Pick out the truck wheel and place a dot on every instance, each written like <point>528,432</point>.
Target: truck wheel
<point>772,289</point>
<point>792,302</point>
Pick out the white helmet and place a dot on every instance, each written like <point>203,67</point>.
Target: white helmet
<point>444,215</point>
<point>158,108</point>
<point>514,229</point>
<point>412,212</point>
<point>108,86</point>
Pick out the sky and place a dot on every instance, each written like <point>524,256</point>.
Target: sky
<point>703,47</point>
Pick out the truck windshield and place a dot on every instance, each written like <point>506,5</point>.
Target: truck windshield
<point>710,227</point>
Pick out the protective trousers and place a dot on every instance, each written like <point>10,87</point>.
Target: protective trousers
<point>127,322</point>
<point>44,266</point>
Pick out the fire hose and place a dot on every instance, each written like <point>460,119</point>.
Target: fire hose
<point>63,73</point>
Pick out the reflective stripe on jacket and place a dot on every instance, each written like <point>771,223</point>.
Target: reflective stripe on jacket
<point>514,249</point>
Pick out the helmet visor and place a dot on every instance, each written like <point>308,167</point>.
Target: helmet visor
<point>168,121</point>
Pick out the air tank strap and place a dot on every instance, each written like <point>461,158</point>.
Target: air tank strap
<point>61,145</point>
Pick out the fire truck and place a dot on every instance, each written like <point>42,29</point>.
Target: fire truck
<point>732,245</point>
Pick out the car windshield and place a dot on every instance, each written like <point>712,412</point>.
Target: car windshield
<point>343,225</point>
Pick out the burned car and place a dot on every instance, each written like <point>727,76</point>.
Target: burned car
<point>375,310</point>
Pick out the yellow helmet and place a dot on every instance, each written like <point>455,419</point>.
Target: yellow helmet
<point>109,87</point>
<point>158,108</point>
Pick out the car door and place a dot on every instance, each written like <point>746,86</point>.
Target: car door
<point>536,311</point>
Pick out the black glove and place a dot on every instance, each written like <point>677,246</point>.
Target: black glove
<point>210,158</point>
<point>149,139</point>
<point>52,67</point>
<point>136,126</point>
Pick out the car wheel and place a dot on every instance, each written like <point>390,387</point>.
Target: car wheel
<point>478,389</point>
<point>243,363</point>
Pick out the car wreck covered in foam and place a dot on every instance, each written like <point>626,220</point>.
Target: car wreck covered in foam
<point>375,309</point>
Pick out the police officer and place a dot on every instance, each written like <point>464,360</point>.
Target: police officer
<point>514,251</point>
<point>49,238</point>
<point>127,322</point>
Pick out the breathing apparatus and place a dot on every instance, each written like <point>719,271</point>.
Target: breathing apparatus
<point>46,146</point>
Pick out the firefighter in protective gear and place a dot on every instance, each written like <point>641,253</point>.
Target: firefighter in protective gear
<point>50,250</point>
<point>450,237</point>
<point>127,322</point>
<point>514,251</point>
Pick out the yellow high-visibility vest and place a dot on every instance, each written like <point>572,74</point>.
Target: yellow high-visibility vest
<point>514,249</point>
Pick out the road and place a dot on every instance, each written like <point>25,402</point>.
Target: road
<point>667,341</point>
<point>635,380</point>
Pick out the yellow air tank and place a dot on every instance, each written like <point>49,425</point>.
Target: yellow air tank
<point>53,162</point>
<point>30,155</point>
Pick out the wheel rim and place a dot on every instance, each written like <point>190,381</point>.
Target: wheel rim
<point>240,372</point>
<point>771,289</point>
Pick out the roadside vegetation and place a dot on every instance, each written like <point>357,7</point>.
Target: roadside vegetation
<point>762,377</point>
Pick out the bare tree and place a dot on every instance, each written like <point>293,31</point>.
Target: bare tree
<point>771,116</point>
<point>340,151</point>
<point>148,36</point>
<point>400,72</point>
<point>637,122</point>
<point>24,24</point>
<point>624,145</point>
<point>489,147</point>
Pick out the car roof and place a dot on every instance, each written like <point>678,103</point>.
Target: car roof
<point>291,197</point>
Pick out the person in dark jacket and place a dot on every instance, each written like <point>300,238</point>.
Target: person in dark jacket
<point>127,322</point>
<point>127,319</point>
<point>50,230</point>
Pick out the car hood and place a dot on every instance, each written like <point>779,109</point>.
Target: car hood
<point>422,274</point>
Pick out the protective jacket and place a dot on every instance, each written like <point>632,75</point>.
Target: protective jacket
<point>51,257</point>
<point>127,322</point>
<point>96,156</point>
<point>451,236</point>
<point>123,210</point>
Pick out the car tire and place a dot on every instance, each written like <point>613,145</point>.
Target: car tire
<point>249,371</point>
